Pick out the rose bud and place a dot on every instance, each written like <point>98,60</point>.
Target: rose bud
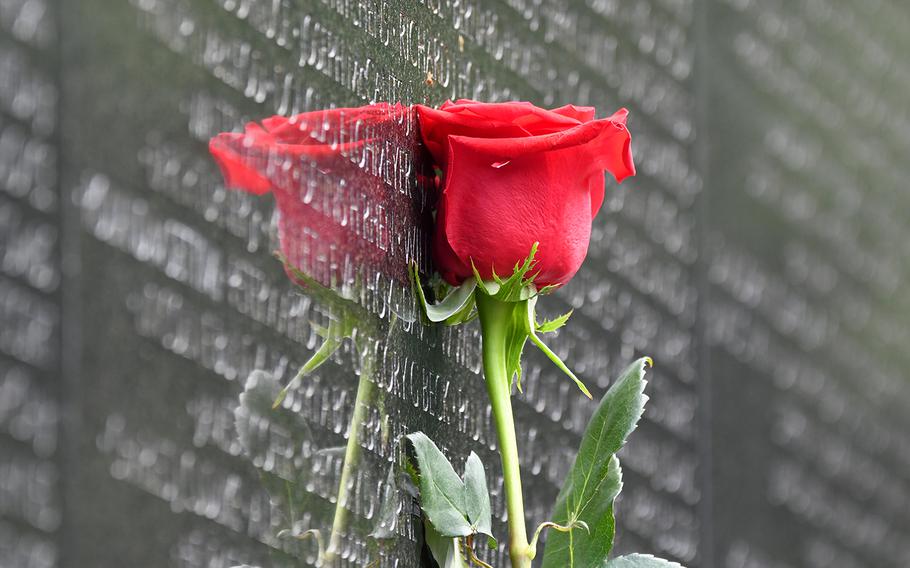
<point>321,167</point>
<point>513,175</point>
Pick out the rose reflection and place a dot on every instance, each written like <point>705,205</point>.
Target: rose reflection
<point>298,473</point>
<point>332,174</point>
<point>328,173</point>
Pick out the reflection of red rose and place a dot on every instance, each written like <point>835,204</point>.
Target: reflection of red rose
<point>515,174</point>
<point>324,169</point>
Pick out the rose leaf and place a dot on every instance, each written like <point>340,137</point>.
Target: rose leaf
<point>640,561</point>
<point>446,551</point>
<point>595,478</point>
<point>477,498</point>
<point>442,492</point>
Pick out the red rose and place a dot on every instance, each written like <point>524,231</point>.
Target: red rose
<point>321,168</point>
<point>515,174</point>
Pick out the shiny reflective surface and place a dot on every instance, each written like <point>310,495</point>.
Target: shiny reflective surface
<point>760,257</point>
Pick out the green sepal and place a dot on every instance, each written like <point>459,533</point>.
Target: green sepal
<point>547,289</point>
<point>516,337</point>
<point>488,287</point>
<point>532,327</point>
<point>523,326</point>
<point>517,287</point>
<point>467,313</point>
<point>456,307</point>
<point>560,364</point>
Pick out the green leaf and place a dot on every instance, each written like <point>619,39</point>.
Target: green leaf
<point>618,413</point>
<point>477,498</point>
<point>445,550</point>
<point>549,326</point>
<point>454,507</point>
<point>442,492</point>
<point>516,337</point>
<point>454,304</point>
<point>640,561</point>
<point>256,422</point>
<point>595,478</point>
<point>580,547</point>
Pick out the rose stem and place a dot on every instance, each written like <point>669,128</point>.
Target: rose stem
<point>495,318</point>
<point>365,390</point>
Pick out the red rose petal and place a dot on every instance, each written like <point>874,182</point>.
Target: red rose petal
<point>502,195</point>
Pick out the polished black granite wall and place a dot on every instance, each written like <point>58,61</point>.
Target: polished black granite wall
<point>761,257</point>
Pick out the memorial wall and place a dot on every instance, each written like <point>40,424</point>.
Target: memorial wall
<point>761,256</point>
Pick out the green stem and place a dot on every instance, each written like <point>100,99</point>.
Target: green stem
<point>365,390</point>
<point>495,319</point>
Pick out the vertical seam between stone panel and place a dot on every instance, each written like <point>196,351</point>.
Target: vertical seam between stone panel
<point>707,552</point>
